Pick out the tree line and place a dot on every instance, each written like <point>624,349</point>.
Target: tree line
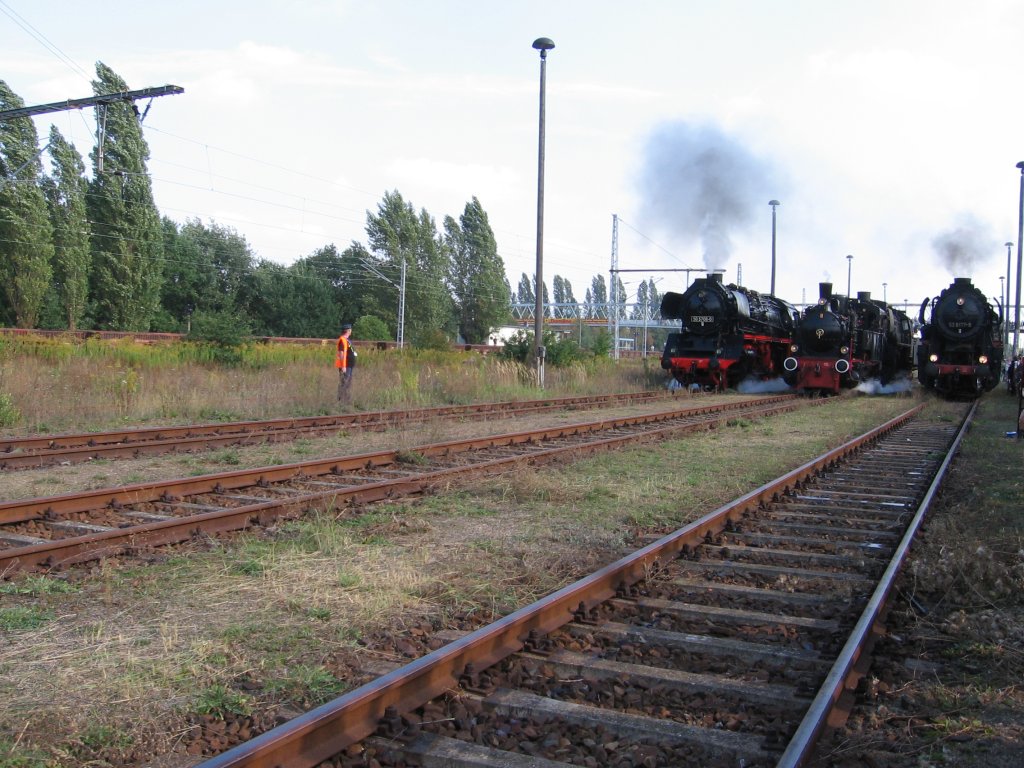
<point>80,252</point>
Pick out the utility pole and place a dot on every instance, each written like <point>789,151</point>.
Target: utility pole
<point>92,101</point>
<point>101,103</point>
<point>613,323</point>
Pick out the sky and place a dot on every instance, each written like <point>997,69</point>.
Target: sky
<point>888,130</point>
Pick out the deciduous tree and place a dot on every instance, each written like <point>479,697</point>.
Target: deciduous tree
<point>65,191</point>
<point>127,242</point>
<point>397,234</point>
<point>26,235</point>
<point>476,275</point>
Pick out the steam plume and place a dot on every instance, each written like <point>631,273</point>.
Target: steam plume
<point>963,249</point>
<point>698,182</point>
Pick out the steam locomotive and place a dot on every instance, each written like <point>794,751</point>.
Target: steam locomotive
<point>842,341</point>
<point>728,333</point>
<point>961,350</point>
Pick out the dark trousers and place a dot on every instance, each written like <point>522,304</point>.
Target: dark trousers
<point>345,386</point>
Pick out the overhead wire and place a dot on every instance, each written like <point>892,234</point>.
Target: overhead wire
<point>42,39</point>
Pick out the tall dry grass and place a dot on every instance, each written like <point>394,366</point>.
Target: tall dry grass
<point>49,385</point>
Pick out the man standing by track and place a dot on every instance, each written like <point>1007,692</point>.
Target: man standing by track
<point>345,362</point>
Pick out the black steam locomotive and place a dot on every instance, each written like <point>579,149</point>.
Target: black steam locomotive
<point>728,333</point>
<point>961,349</point>
<point>841,342</point>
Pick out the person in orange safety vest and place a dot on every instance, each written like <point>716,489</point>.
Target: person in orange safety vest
<point>345,362</point>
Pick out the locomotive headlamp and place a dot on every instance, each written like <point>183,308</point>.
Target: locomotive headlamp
<point>959,301</point>
<point>844,350</point>
<point>793,348</point>
<point>933,358</point>
<point>821,302</point>
<point>983,359</point>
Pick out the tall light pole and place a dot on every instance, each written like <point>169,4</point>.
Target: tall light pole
<point>1020,236</point>
<point>885,293</point>
<point>774,204</point>
<point>1006,302</point>
<point>849,272</point>
<point>542,44</point>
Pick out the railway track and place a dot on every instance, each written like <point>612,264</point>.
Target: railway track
<point>55,531</point>
<point>735,641</point>
<point>73,448</point>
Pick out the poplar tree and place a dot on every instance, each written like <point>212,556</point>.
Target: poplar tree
<point>397,234</point>
<point>524,293</point>
<point>597,297</point>
<point>563,296</point>
<point>476,275</point>
<point>65,193</point>
<point>127,244</point>
<point>26,236</point>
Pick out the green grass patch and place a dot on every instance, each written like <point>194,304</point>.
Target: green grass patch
<point>219,700</point>
<point>310,685</point>
<point>19,617</point>
<point>33,585</point>
<point>13,755</point>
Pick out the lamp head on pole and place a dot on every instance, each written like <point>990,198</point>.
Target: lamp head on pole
<point>1008,244</point>
<point>543,44</point>
<point>773,203</point>
<point>1019,165</point>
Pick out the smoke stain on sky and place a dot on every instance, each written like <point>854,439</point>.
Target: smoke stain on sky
<point>965,247</point>
<point>699,184</point>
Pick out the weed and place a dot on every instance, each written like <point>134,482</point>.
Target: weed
<point>248,568</point>
<point>228,456</point>
<point>100,737</point>
<point>37,585</point>
<point>411,457</point>
<point>22,617</point>
<point>219,700</point>
<point>9,413</point>
<point>308,684</point>
<point>348,580</point>
<point>13,756</point>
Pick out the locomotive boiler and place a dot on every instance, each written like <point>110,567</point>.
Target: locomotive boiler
<point>961,349</point>
<point>842,341</point>
<point>727,334</point>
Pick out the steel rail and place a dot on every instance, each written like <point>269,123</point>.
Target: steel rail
<point>42,450</point>
<point>851,664</point>
<point>325,731</point>
<point>70,550</point>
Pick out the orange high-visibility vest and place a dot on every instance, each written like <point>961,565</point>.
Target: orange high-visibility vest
<point>341,360</point>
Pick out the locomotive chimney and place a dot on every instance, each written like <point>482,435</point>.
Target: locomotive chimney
<point>824,290</point>
<point>962,282</point>
<point>715,277</point>
<point>864,295</point>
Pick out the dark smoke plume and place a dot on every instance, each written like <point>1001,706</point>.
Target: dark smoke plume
<point>966,247</point>
<point>696,182</point>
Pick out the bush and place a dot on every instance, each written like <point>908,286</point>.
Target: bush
<point>371,328</point>
<point>225,329</point>
<point>558,352</point>
<point>602,344</point>
<point>9,414</point>
<point>432,338</point>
